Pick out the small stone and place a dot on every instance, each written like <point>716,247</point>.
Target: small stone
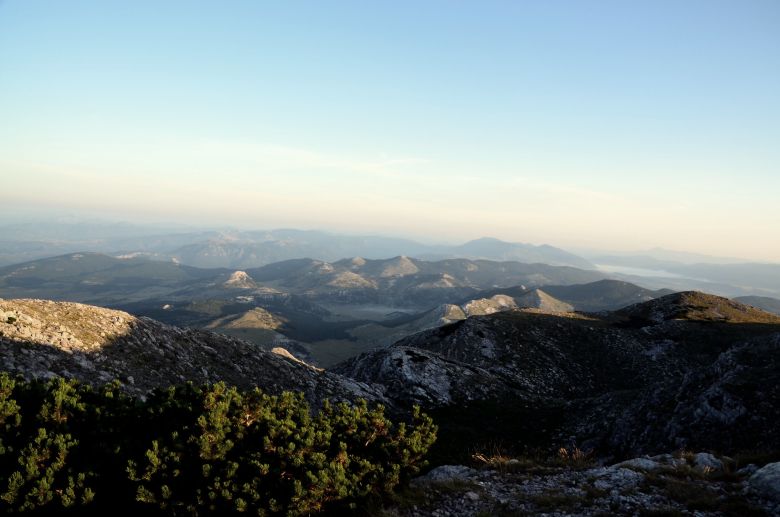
<point>448,473</point>
<point>706,461</point>
<point>646,464</point>
<point>472,496</point>
<point>613,479</point>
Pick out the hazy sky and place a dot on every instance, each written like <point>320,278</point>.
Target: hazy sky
<point>622,125</point>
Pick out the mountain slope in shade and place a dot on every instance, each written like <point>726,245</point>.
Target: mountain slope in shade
<point>688,369</point>
<point>604,295</point>
<point>41,339</point>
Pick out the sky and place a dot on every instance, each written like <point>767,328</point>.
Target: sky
<point>601,124</point>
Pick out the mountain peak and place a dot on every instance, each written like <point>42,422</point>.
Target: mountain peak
<point>399,266</point>
<point>240,280</point>
<point>538,299</point>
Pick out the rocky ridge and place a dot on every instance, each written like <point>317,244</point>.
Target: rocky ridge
<point>43,339</point>
<point>693,370</point>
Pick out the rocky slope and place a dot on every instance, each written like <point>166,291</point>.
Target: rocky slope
<point>41,339</point>
<point>668,484</point>
<point>687,369</point>
<point>695,306</point>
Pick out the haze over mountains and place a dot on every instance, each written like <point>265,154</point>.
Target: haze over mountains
<point>246,249</point>
<point>241,249</point>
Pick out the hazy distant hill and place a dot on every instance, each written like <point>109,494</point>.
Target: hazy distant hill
<point>600,295</point>
<point>253,249</point>
<point>495,249</point>
<point>762,302</point>
<point>681,271</point>
<point>247,249</point>
<point>97,278</point>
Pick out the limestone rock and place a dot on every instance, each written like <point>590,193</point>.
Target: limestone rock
<point>766,481</point>
<point>97,345</point>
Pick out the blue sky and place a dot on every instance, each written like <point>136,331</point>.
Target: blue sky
<point>621,125</point>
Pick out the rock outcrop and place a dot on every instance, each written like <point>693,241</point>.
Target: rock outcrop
<point>678,376</point>
<point>766,482</point>
<point>240,280</point>
<point>42,339</point>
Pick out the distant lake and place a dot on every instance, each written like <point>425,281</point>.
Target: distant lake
<point>638,271</point>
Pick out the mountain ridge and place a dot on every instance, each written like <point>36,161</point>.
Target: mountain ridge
<point>42,338</point>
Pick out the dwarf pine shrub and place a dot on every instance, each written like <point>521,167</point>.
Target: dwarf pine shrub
<point>189,450</point>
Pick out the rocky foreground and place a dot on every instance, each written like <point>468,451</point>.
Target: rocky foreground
<point>682,484</point>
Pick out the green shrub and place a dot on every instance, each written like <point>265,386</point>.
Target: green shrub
<point>194,450</point>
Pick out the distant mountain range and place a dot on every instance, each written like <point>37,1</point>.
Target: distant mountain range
<point>403,281</point>
<point>243,250</point>
<point>248,249</point>
<point>323,312</point>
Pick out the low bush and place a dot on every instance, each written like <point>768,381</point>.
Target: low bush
<point>189,450</point>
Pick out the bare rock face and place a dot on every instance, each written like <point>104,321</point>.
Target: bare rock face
<point>43,339</point>
<point>482,306</point>
<point>415,376</point>
<point>240,280</point>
